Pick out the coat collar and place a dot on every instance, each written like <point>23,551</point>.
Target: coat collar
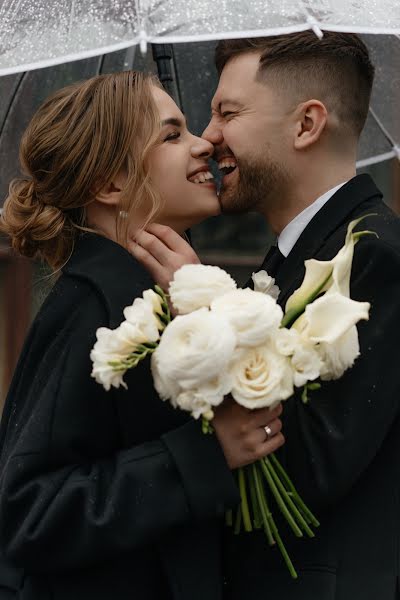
<point>111,270</point>
<point>332,215</point>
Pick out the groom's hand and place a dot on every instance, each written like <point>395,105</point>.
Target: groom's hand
<point>242,432</point>
<point>162,251</point>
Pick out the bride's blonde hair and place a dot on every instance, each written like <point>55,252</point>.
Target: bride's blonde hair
<point>76,143</point>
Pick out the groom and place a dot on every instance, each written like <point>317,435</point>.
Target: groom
<point>286,117</point>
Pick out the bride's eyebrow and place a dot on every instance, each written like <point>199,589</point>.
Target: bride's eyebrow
<point>173,121</point>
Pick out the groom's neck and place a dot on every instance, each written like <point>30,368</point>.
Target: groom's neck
<point>303,189</point>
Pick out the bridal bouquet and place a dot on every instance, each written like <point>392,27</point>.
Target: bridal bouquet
<point>227,340</point>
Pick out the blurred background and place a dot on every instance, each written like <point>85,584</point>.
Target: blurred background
<point>237,244</point>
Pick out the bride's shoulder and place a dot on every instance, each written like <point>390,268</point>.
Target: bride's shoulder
<point>110,271</point>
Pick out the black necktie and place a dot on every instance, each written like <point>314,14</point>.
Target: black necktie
<point>273,261</point>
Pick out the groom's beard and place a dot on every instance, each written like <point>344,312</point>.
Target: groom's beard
<point>258,186</point>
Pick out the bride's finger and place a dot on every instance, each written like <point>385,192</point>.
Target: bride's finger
<point>171,238</point>
<point>154,246</point>
<point>146,259</point>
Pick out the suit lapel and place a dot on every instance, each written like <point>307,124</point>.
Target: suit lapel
<point>334,213</point>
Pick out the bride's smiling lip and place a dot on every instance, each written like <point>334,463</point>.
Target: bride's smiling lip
<point>202,169</point>
<point>205,177</point>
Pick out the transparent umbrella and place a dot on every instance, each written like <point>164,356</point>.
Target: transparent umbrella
<point>40,33</point>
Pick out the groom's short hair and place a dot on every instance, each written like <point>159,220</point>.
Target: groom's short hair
<point>336,70</point>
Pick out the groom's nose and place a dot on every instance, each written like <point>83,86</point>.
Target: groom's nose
<point>213,132</point>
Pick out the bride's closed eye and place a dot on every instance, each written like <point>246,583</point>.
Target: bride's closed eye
<point>172,136</point>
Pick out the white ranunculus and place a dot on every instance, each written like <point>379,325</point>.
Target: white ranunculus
<point>142,316</point>
<point>254,316</point>
<point>304,358</point>
<point>194,355</point>
<point>329,323</point>
<point>262,377</point>
<point>265,284</point>
<point>196,286</point>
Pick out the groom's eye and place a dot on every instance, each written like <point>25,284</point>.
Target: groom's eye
<point>227,114</point>
<point>172,136</point>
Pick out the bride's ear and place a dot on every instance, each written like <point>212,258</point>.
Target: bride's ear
<point>110,194</point>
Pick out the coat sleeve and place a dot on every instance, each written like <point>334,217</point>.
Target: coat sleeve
<point>331,441</point>
<point>71,496</point>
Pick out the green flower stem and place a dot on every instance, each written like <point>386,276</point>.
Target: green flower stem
<point>257,518</point>
<point>290,486</point>
<point>293,314</point>
<point>272,528</point>
<point>279,500</point>
<point>229,518</point>
<point>262,502</point>
<point>238,521</point>
<point>244,502</point>
<point>283,550</point>
<point>289,502</point>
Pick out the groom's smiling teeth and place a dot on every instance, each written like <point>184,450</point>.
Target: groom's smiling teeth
<point>227,165</point>
<point>201,177</point>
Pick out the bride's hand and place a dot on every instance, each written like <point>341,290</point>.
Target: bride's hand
<point>161,251</point>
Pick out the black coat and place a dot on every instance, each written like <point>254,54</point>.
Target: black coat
<point>343,449</point>
<point>104,495</point>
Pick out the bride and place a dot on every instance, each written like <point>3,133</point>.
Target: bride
<point>109,494</point>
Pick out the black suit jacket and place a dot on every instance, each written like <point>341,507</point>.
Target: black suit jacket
<point>103,495</point>
<point>343,449</point>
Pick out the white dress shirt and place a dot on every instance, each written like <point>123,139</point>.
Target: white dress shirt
<point>295,228</point>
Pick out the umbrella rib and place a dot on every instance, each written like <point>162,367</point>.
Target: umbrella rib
<point>71,18</point>
<point>385,132</point>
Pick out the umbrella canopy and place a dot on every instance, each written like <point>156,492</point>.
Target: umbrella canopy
<point>38,33</point>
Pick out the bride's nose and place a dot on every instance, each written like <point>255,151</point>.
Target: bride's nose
<point>202,148</point>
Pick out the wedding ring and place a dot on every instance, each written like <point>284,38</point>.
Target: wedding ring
<point>268,431</point>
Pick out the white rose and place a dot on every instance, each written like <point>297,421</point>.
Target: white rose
<point>193,355</point>
<point>304,358</point>
<point>254,316</point>
<point>261,377</point>
<point>329,324</point>
<point>141,315</point>
<point>196,286</point>
<point>265,284</point>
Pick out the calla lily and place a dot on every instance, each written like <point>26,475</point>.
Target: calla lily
<point>328,318</point>
<point>329,324</point>
<point>325,276</point>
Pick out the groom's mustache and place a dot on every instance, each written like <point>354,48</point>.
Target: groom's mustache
<point>220,153</point>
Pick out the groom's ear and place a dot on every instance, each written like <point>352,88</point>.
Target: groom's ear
<point>310,121</point>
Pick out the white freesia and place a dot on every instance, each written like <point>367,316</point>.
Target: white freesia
<point>329,323</point>
<point>196,286</point>
<point>154,300</point>
<point>304,358</point>
<point>261,377</point>
<point>254,316</point>
<point>142,316</point>
<point>193,356</point>
<point>265,284</point>
<point>112,346</point>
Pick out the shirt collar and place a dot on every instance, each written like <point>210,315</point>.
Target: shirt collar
<point>295,228</point>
